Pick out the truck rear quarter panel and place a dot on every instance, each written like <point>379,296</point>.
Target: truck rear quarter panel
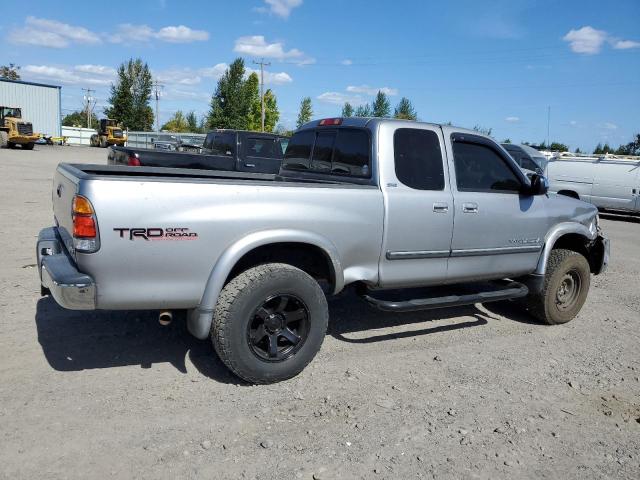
<point>171,272</point>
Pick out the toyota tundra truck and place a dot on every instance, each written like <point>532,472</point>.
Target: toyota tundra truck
<point>377,205</point>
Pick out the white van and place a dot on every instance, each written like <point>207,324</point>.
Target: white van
<point>609,183</point>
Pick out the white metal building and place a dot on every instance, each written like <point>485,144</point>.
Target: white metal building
<point>40,104</point>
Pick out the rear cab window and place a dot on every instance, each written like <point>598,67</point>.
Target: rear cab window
<point>263,147</point>
<point>344,152</point>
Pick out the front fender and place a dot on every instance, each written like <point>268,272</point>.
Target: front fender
<point>199,319</point>
<point>555,233</point>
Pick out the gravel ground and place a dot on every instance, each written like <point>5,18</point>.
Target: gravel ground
<point>477,392</point>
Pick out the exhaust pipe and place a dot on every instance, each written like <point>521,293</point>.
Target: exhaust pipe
<point>165,317</point>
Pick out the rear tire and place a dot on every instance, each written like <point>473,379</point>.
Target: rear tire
<point>269,323</point>
<point>11,145</point>
<point>103,142</point>
<point>28,146</point>
<point>566,285</point>
<point>4,139</point>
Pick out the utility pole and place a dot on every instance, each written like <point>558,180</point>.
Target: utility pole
<point>262,65</point>
<point>157,86</point>
<point>548,123</point>
<point>88,99</point>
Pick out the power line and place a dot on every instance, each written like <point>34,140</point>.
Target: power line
<point>262,65</point>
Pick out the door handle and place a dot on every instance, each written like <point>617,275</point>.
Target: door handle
<point>470,207</point>
<point>250,165</point>
<point>440,207</point>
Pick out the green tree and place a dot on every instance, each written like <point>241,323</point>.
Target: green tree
<point>271,112</point>
<point>178,123</point>
<point>381,106</point>
<point>79,119</point>
<point>130,96</point>
<point>577,150</point>
<point>347,110</point>
<point>483,130</point>
<point>306,112</point>
<point>631,148</point>
<point>404,110</point>
<point>558,147</point>
<point>363,111</point>
<point>506,140</point>
<point>231,104</point>
<point>252,91</point>
<point>10,72</point>
<point>192,122</point>
<point>598,149</point>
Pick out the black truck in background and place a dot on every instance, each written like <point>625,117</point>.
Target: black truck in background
<point>229,150</point>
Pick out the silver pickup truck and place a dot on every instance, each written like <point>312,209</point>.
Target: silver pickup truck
<point>380,205</point>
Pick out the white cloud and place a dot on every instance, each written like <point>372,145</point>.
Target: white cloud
<point>586,40</point>
<point>273,78</point>
<point>367,90</point>
<point>96,70</point>
<point>609,126</point>
<point>214,72</point>
<point>512,119</point>
<point>589,41</point>
<point>43,32</point>
<point>130,33</point>
<point>338,98</point>
<point>624,44</point>
<point>573,123</point>
<point>257,46</point>
<point>189,76</point>
<point>347,62</point>
<point>181,34</point>
<point>282,8</point>
<point>65,76</point>
<point>51,33</point>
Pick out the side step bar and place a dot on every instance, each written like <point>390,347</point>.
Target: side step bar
<point>500,291</point>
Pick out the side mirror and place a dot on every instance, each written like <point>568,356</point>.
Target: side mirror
<point>539,184</point>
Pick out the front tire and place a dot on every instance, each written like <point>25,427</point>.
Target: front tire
<point>269,323</point>
<point>28,146</point>
<point>566,285</point>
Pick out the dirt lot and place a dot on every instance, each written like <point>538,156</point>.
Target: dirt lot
<point>478,392</point>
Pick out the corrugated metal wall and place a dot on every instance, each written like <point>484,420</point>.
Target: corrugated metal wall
<point>40,104</point>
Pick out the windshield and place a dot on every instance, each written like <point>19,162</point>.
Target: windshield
<point>12,112</point>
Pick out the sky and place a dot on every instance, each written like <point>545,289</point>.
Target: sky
<point>501,64</point>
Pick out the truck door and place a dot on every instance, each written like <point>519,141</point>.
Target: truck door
<point>261,154</point>
<point>498,230</point>
<point>418,205</point>
<point>614,183</point>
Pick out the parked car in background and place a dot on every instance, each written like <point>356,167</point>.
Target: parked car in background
<point>609,182</point>
<point>227,150</point>
<point>363,202</point>
<point>191,143</point>
<point>166,141</point>
<point>527,157</point>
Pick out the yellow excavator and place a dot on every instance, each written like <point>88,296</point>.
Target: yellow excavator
<point>14,131</point>
<point>109,133</point>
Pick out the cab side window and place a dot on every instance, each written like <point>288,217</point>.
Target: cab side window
<point>418,160</point>
<point>479,168</point>
<point>223,144</point>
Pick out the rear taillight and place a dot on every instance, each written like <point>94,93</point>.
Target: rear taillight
<point>85,228</point>
<point>134,161</point>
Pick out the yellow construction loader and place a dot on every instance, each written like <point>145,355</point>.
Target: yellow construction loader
<point>14,131</point>
<point>109,133</point>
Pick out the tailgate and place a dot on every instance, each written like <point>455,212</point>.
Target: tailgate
<point>65,186</point>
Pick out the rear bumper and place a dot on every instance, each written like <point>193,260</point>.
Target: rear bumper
<point>69,287</point>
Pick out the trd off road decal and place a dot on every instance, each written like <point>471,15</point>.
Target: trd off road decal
<point>156,233</point>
